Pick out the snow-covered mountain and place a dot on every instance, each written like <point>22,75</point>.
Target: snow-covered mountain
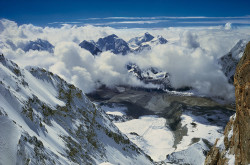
<point>39,44</point>
<point>139,40</point>
<point>229,61</point>
<point>118,46</point>
<point>145,42</point>
<point>114,44</point>
<point>150,75</point>
<point>90,46</point>
<point>109,43</point>
<point>45,120</point>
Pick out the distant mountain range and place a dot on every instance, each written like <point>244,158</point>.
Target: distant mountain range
<point>118,46</point>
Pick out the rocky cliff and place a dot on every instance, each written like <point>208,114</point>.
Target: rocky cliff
<point>234,146</point>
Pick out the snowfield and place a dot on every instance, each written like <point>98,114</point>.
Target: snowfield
<point>150,134</point>
<point>9,135</point>
<point>153,135</point>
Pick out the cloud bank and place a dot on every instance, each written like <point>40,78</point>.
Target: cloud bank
<point>190,56</point>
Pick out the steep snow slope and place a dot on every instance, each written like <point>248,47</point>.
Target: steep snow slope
<point>229,61</point>
<point>139,40</point>
<point>145,42</point>
<point>45,120</point>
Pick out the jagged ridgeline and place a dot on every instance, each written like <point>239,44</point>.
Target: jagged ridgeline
<point>234,146</point>
<point>45,120</point>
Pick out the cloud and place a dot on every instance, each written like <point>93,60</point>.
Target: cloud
<point>228,26</point>
<point>129,22</point>
<point>189,40</point>
<point>159,21</point>
<point>164,17</point>
<point>190,56</point>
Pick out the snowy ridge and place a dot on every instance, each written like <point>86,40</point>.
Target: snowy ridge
<point>145,42</point>
<point>109,43</point>
<point>150,75</point>
<point>231,59</point>
<point>53,122</point>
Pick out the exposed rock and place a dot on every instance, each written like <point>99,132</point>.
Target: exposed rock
<point>40,45</point>
<point>114,44</point>
<point>90,46</point>
<point>234,146</point>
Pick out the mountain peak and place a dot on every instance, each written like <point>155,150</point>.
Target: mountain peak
<point>114,44</point>
<point>90,46</point>
<point>111,36</point>
<point>148,37</point>
<point>40,45</point>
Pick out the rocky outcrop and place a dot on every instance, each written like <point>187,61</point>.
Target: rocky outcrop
<point>90,46</point>
<point>234,146</point>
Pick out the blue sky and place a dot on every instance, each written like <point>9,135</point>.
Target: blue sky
<point>43,12</point>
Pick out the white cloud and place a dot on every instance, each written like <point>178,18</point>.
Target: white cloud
<point>190,55</point>
<point>129,22</point>
<point>164,17</point>
<point>228,26</point>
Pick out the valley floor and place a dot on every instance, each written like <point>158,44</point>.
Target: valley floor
<point>170,127</point>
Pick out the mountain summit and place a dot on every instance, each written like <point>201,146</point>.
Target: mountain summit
<point>40,45</point>
<point>110,43</point>
<point>139,40</point>
<point>90,46</point>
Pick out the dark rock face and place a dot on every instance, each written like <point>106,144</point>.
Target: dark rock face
<point>114,44</point>
<point>118,46</point>
<point>162,40</point>
<point>110,43</point>
<point>237,132</point>
<point>142,48</point>
<point>40,45</point>
<point>90,46</point>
